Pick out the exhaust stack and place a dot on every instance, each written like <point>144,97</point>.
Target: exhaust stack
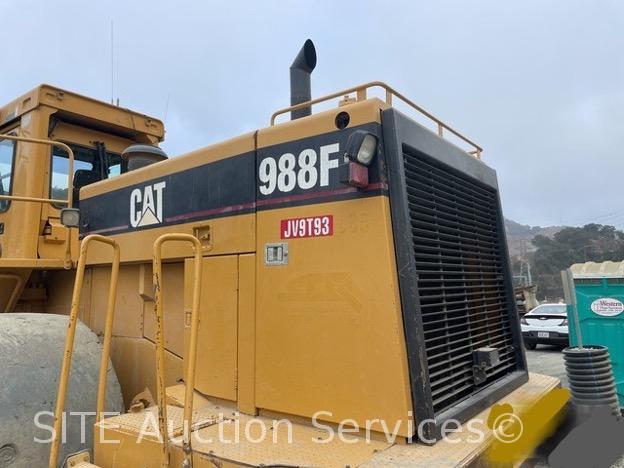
<point>300,70</point>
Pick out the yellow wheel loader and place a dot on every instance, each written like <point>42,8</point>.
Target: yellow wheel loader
<point>331,290</point>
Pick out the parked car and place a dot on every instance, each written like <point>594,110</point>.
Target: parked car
<point>546,324</point>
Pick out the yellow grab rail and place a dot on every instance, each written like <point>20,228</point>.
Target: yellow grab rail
<point>160,346</point>
<point>70,185</point>
<point>361,95</point>
<point>71,333</point>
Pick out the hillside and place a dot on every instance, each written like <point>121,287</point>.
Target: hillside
<point>519,234</point>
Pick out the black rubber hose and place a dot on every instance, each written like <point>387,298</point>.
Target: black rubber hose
<point>591,377</point>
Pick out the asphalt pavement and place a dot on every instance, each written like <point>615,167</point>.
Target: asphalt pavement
<point>547,360</point>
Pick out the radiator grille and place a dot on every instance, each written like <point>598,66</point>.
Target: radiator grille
<point>459,263</point>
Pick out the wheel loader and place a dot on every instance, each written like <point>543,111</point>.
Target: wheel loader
<point>331,290</point>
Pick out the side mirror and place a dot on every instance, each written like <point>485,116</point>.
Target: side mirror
<point>70,217</point>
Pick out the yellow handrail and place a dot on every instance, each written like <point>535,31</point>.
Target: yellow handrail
<point>71,333</point>
<point>361,93</point>
<point>160,346</point>
<point>70,185</point>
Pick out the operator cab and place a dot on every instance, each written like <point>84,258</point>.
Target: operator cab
<point>91,164</point>
<point>97,133</point>
<point>38,131</point>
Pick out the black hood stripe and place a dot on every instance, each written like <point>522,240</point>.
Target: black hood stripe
<point>231,187</point>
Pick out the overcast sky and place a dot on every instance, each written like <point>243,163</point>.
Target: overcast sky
<point>539,84</point>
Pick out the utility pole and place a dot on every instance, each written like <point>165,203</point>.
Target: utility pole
<point>524,262</point>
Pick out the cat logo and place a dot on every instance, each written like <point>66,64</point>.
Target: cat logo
<point>146,205</point>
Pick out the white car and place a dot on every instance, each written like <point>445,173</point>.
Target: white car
<point>546,324</point>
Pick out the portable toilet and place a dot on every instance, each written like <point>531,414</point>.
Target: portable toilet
<point>598,290</point>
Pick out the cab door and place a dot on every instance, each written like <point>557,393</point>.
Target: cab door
<point>96,157</point>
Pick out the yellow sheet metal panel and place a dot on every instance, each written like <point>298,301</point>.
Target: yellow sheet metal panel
<point>134,436</point>
<point>173,306</point>
<point>47,264</point>
<point>22,221</point>
<point>126,453</point>
<point>68,133</point>
<point>60,285</point>
<point>84,108</point>
<point>460,448</point>
<point>235,146</point>
<point>134,360</point>
<point>129,305</point>
<point>247,333</point>
<point>234,234</point>
<point>223,438</point>
<point>176,395</point>
<point>265,442</point>
<point>146,421</point>
<point>217,350</point>
<point>323,122</point>
<point>52,246</point>
<point>19,106</point>
<point>329,330</point>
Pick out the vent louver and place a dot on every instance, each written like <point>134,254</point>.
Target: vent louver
<point>460,277</point>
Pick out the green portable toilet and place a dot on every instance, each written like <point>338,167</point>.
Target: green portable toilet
<point>598,290</point>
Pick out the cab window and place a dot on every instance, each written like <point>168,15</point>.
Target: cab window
<point>114,165</point>
<point>7,153</point>
<point>89,167</point>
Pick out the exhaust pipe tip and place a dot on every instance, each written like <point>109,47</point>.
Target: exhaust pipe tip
<point>300,87</point>
<point>306,58</point>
